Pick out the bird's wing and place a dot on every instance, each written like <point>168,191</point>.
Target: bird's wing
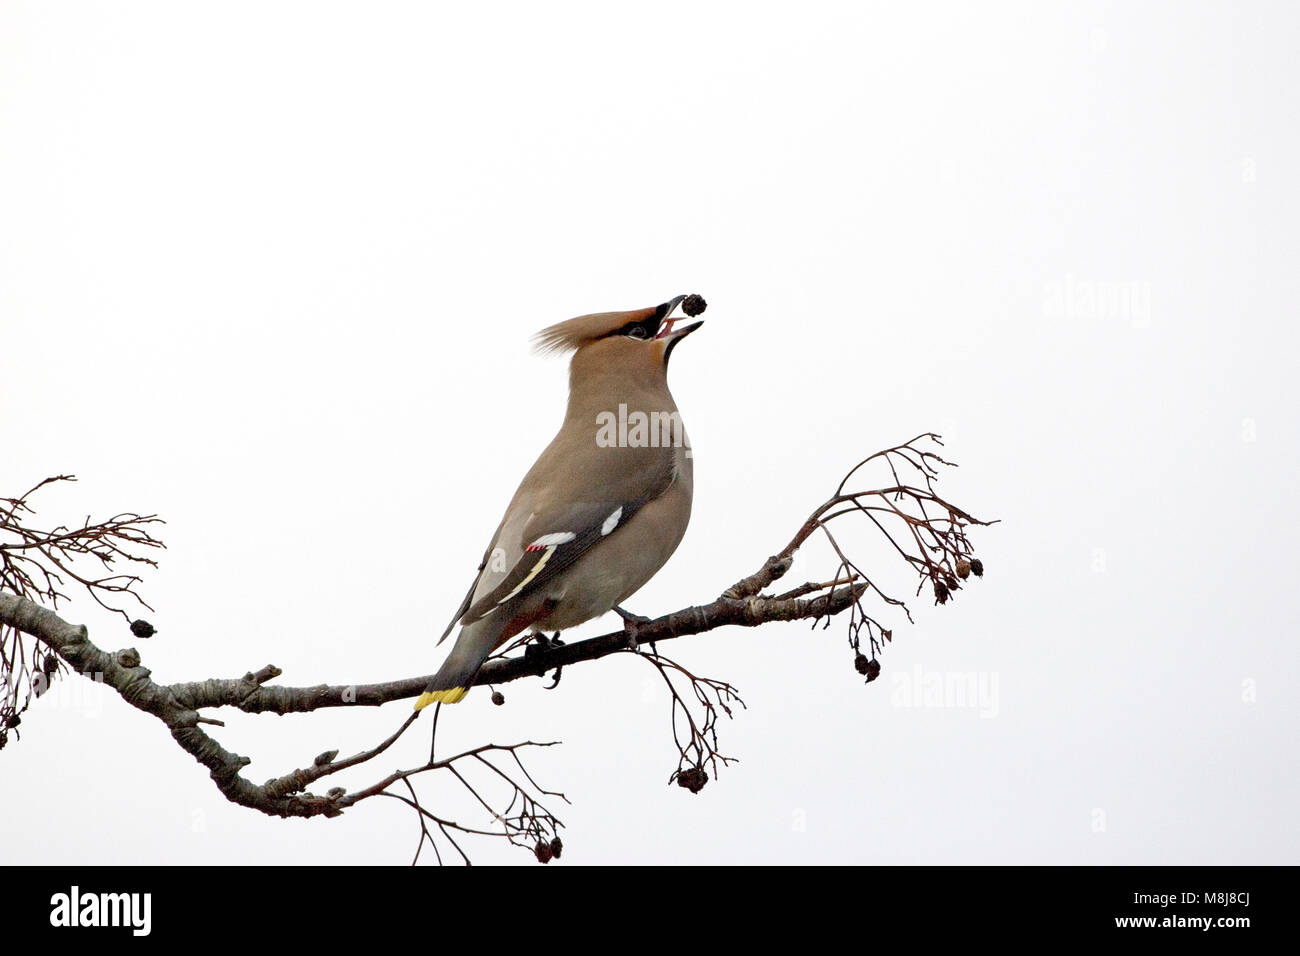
<point>469,597</point>
<point>548,528</point>
<point>548,553</point>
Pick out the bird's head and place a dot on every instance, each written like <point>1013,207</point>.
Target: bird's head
<point>641,338</point>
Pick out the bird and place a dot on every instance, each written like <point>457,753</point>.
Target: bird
<point>604,506</point>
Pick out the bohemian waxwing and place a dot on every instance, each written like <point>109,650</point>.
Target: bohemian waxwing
<point>604,506</point>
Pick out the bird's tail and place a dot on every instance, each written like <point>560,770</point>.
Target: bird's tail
<point>452,682</point>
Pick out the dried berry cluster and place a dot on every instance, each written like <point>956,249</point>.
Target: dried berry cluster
<point>546,852</point>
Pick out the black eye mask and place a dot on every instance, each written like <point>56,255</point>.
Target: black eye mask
<point>644,329</point>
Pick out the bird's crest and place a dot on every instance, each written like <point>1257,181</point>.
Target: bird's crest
<point>572,334</point>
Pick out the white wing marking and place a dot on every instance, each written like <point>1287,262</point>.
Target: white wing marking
<point>541,563</point>
<point>555,537</point>
<point>612,521</point>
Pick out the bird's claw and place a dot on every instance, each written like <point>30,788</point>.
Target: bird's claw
<point>541,645</point>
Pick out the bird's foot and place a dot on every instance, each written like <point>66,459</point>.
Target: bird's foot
<point>632,624</point>
<point>539,645</point>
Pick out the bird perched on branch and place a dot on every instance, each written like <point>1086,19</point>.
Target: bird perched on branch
<point>604,506</point>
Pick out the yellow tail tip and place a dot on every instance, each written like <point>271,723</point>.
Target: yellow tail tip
<point>449,696</point>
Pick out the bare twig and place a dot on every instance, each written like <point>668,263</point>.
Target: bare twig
<point>38,564</point>
<point>694,723</point>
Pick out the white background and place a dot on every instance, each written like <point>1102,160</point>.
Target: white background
<point>270,271</point>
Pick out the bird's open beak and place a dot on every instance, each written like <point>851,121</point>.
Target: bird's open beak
<point>666,329</point>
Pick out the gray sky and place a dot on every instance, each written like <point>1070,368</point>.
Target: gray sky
<point>270,271</point>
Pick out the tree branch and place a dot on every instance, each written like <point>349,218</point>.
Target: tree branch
<point>928,532</point>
